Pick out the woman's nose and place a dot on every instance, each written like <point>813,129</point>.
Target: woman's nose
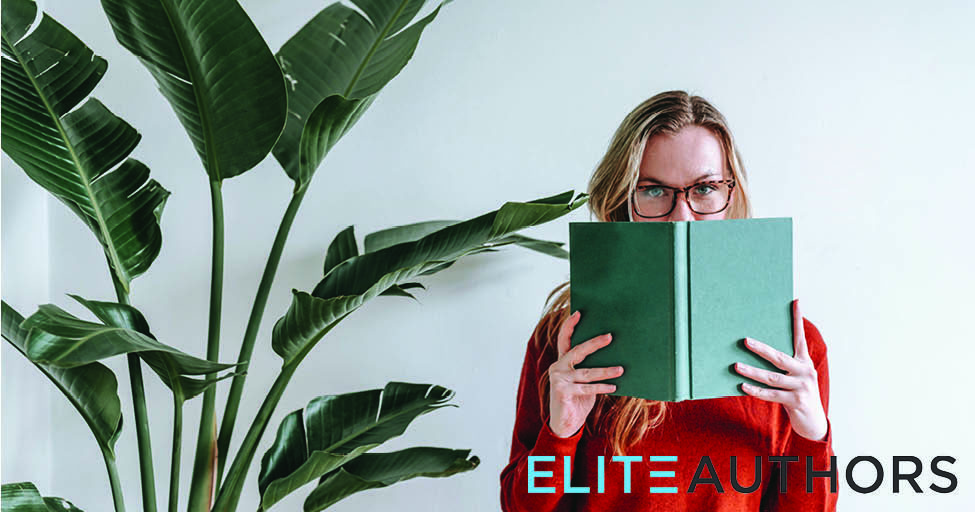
<point>682,211</point>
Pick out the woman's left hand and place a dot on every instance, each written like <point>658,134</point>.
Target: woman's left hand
<point>798,390</point>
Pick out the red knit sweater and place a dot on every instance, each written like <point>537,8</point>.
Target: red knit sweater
<point>742,426</point>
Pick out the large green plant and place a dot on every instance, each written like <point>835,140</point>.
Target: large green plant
<point>237,102</point>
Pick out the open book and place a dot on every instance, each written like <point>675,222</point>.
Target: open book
<point>679,298</point>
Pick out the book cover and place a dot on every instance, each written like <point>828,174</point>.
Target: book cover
<point>679,298</point>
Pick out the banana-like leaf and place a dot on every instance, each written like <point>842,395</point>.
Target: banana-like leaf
<point>360,278</point>
<point>335,429</point>
<point>548,247</point>
<point>92,388</point>
<point>79,156</point>
<point>336,65</point>
<point>127,317</point>
<point>399,290</point>
<point>307,320</point>
<point>344,246</point>
<point>375,470</point>
<point>411,232</point>
<point>399,234</point>
<point>24,497</point>
<point>215,69</point>
<point>60,339</point>
<point>171,370</point>
<point>323,129</point>
<point>356,275</point>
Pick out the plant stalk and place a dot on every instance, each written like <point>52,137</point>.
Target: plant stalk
<point>177,451</point>
<point>229,493</point>
<point>250,334</point>
<point>231,488</point>
<point>202,483</point>
<point>146,471</point>
<point>114,480</point>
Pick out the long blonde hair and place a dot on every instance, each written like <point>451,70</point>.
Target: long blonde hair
<point>628,419</point>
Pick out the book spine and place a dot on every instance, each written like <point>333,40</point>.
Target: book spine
<point>682,339</point>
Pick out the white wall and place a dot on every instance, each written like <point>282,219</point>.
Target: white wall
<point>854,120</point>
<point>24,278</point>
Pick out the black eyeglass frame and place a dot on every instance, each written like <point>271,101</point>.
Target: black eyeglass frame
<point>678,190</point>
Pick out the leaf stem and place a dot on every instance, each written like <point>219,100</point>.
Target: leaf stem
<point>229,491</point>
<point>231,488</point>
<point>146,471</point>
<point>250,334</point>
<point>177,449</point>
<point>113,480</point>
<point>144,441</point>
<point>202,484</point>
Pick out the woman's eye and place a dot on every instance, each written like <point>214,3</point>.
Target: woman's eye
<point>652,192</point>
<point>703,190</point>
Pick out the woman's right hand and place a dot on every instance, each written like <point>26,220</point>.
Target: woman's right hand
<point>572,392</point>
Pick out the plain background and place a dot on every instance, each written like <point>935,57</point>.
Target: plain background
<point>855,120</point>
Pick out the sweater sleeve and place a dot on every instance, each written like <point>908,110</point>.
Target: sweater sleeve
<point>819,452</point>
<point>533,437</point>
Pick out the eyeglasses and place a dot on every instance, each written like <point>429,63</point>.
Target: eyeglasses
<point>703,197</point>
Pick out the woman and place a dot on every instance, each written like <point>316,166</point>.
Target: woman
<point>673,158</point>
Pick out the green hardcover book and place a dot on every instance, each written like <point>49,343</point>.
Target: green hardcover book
<point>679,298</point>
